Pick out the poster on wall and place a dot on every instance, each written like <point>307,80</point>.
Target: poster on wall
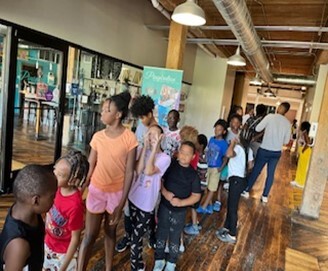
<point>164,86</point>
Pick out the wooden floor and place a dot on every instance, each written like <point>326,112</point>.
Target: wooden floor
<point>270,236</point>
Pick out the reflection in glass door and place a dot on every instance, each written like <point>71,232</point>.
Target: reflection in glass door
<point>36,104</point>
<point>4,63</point>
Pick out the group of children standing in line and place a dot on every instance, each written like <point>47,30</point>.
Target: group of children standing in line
<point>152,176</point>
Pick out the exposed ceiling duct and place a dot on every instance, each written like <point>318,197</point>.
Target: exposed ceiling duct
<point>237,16</point>
<point>294,80</point>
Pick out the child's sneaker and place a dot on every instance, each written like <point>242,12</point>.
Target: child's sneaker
<point>245,194</point>
<point>226,186</point>
<point>123,244</point>
<point>226,238</point>
<point>209,209</point>
<point>182,248</point>
<point>201,210</point>
<point>142,268</point>
<point>152,243</point>
<point>217,206</point>
<point>191,230</point>
<point>167,250</point>
<point>221,231</point>
<point>198,225</point>
<point>264,199</point>
<point>170,266</point>
<point>159,265</point>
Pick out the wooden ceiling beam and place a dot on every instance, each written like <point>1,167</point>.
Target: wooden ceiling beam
<point>322,57</point>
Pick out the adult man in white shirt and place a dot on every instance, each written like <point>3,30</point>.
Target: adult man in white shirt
<point>276,133</point>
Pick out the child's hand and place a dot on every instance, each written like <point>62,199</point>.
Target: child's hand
<point>115,217</point>
<point>169,195</point>
<point>235,140</point>
<point>176,202</point>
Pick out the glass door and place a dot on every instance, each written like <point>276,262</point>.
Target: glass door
<point>4,65</point>
<point>37,97</point>
<point>36,104</point>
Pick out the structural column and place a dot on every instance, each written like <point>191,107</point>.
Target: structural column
<point>176,47</point>
<point>318,169</point>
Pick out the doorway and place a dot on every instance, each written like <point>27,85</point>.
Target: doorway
<point>35,104</point>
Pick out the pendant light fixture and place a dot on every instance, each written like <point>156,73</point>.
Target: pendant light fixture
<point>256,81</point>
<point>236,59</point>
<point>189,13</point>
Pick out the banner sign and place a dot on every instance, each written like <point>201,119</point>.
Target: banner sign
<point>164,86</point>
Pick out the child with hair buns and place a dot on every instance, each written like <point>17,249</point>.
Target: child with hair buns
<point>64,221</point>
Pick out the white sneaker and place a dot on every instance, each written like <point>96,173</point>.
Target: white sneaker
<point>293,183</point>
<point>159,265</point>
<point>170,266</point>
<point>182,248</point>
<point>264,199</point>
<point>245,194</point>
<point>166,250</point>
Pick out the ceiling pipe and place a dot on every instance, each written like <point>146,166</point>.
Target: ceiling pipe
<point>294,80</point>
<point>161,9</point>
<point>237,16</point>
<point>282,28</point>
<point>157,5</point>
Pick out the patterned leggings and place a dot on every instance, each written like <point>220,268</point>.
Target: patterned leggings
<point>170,226</point>
<point>140,221</point>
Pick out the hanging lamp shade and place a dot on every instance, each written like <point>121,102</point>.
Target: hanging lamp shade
<point>256,81</point>
<point>189,13</point>
<point>237,59</point>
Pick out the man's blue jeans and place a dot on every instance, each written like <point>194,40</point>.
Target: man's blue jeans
<point>264,157</point>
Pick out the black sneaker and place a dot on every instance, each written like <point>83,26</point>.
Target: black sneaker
<point>123,244</point>
<point>152,243</point>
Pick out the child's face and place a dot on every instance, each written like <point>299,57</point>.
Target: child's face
<point>235,124</point>
<point>185,155</point>
<point>62,170</point>
<point>45,201</point>
<point>219,131</point>
<point>109,113</point>
<point>146,119</point>
<point>153,135</point>
<point>172,120</point>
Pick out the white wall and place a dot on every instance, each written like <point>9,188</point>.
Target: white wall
<point>204,104</point>
<point>113,27</point>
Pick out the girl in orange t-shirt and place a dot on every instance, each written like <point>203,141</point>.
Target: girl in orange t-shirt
<point>112,161</point>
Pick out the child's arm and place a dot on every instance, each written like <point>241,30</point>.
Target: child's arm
<point>129,171</point>
<point>307,141</point>
<point>16,254</point>
<point>72,248</point>
<point>92,164</point>
<point>230,152</point>
<point>167,194</point>
<point>224,163</point>
<point>192,199</point>
<point>150,168</point>
<point>141,161</point>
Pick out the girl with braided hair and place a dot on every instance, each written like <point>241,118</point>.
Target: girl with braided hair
<point>64,221</point>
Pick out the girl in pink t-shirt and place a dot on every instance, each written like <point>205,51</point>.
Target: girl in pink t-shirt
<point>112,160</point>
<point>64,221</point>
<point>144,192</point>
